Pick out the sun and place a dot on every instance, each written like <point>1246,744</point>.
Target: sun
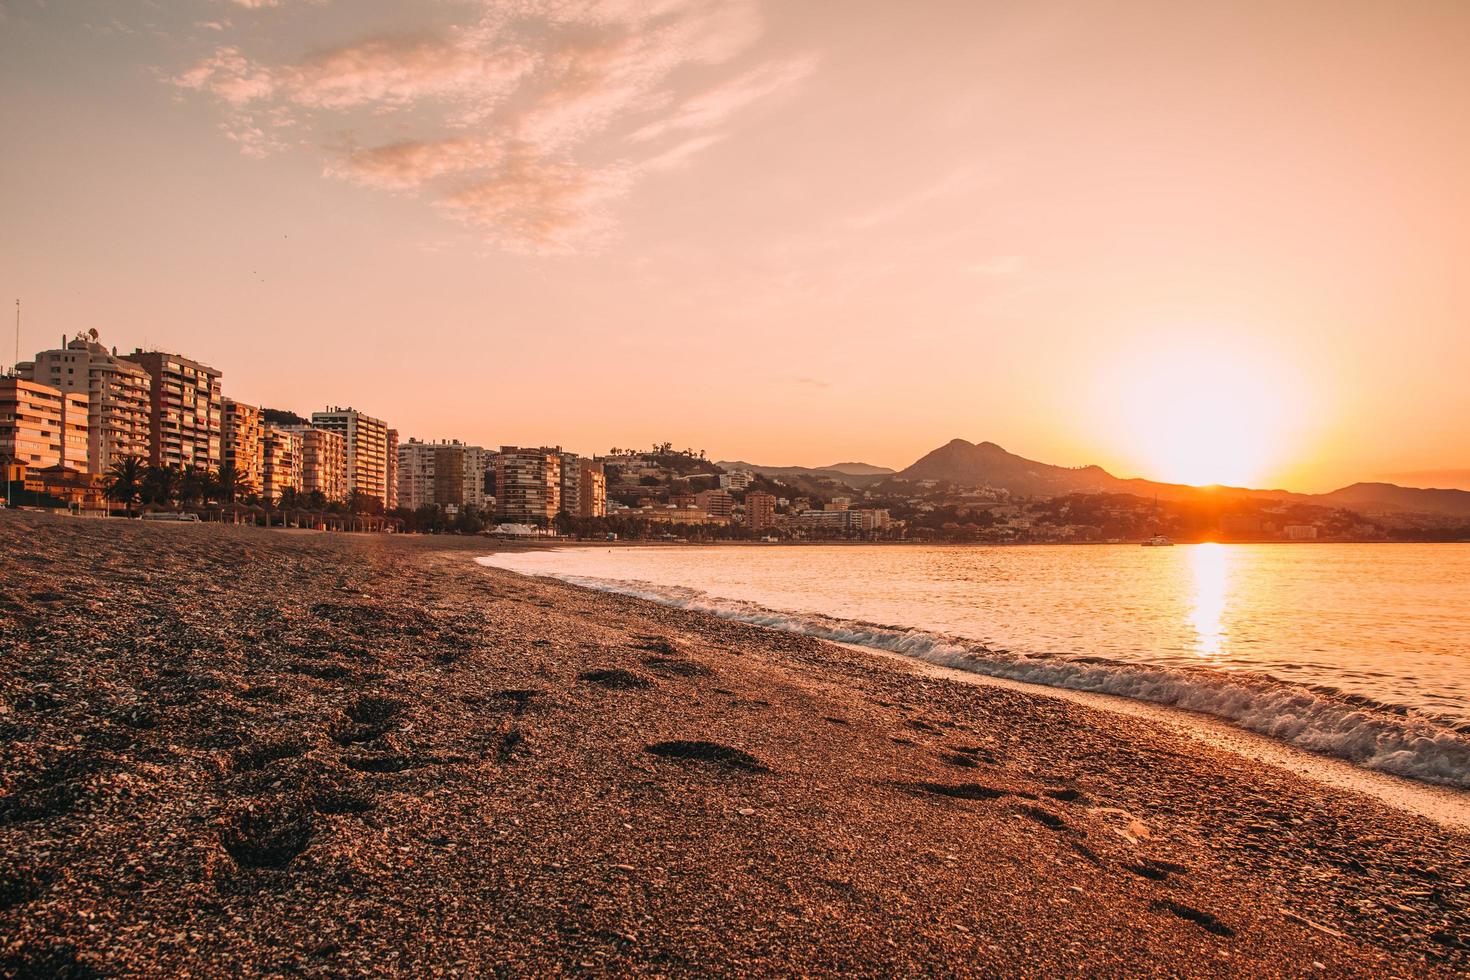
<point>1203,413</point>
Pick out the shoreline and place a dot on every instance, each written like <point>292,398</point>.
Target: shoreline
<point>1325,724</point>
<point>237,752</point>
<point>1446,805</point>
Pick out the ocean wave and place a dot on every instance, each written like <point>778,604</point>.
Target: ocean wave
<point>1383,737</point>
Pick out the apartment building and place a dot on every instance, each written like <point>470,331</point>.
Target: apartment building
<point>827,521</point>
<point>367,448</point>
<point>449,474</point>
<point>571,479</point>
<point>591,490</point>
<point>280,461</point>
<point>185,423</point>
<point>323,461</point>
<point>527,485</point>
<point>241,430</point>
<point>718,504</point>
<point>392,469</point>
<point>117,396</point>
<point>760,510</point>
<point>41,426</point>
<point>736,480</point>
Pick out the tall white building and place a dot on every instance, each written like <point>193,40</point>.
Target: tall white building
<point>527,485</point>
<point>449,474</point>
<point>571,481</point>
<point>367,449</point>
<point>736,480</point>
<point>117,393</point>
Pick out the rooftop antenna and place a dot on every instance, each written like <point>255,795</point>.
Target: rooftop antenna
<point>15,366</point>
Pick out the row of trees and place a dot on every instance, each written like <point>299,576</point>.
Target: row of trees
<point>131,481</point>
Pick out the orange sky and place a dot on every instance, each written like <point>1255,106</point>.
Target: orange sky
<point>1192,241</point>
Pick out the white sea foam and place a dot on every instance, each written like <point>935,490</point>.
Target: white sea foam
<point>1379,737</point>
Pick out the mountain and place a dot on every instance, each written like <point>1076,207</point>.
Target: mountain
<point>854,475</point>
<point>1378,497</point>
<point>280,416</point>
<point>859,469</point>
<point>986,464</point>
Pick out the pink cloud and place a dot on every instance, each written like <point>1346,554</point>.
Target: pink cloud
<point>510,123</point>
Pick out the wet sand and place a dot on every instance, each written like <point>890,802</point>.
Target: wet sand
<point>231,750</point>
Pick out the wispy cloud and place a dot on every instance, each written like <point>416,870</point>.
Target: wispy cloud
<point>527,123</point>
<point>950,185</point>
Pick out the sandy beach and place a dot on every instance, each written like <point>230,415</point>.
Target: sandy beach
<point>238,751</point>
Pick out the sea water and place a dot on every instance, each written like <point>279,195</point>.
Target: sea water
<point>1356,650</point>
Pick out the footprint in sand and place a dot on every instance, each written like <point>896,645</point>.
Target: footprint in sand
<point>1204,920</point>
<point>615,679</point>
<point>723,756</point>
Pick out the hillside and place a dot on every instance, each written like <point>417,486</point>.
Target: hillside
<point>860,469</point>
<point>1378,497</point>
<point>987,464</point>
<point>854,475</point>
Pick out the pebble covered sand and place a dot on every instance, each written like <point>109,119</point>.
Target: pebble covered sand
<point>233,751</point>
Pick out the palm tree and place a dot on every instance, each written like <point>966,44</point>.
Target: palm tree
<point>161,485</point>
<point>125,481</point>
<point>362,502</point>
<point>290,499</point>
<point>231,484</point>
<point>194,485</point>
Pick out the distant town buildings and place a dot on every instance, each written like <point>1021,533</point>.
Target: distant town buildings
<point>527,485</point>
<point>366,439</point>
<point>117,391</point>
<point>760,510</point>
<point>41,426</point>
<point>184,411</point>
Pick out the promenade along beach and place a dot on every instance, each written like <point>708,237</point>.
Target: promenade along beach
<point>229,750</point>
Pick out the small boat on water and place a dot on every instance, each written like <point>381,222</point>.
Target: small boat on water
<point>1159,539</point>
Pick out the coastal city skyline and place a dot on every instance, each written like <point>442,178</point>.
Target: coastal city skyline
<point>101,454</point>
<point>1202,290</point>
<point>95,430</point>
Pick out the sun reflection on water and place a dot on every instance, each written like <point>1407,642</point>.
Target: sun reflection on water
<point>1209,565</point>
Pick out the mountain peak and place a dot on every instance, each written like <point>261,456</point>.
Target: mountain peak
<point>988,464</point>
